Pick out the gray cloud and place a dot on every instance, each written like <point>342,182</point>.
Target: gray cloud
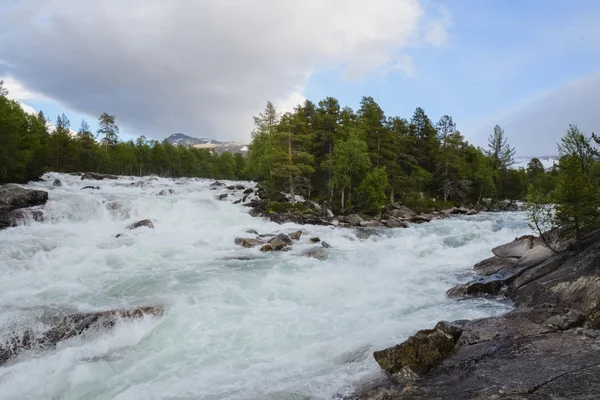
<point>536,125</point>
<point>200,67</point>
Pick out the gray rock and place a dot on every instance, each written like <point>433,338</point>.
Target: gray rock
<point>318,252</point>
<point>97,177</point>
<point>57,183</point>
<point>280,241</point>
<point>494,264</point>
<point>248,191</point>
<point>515,249</point>
<point>13,197</point>
<point>143,223</point>
<point>252,231</point>
<point>295,235</point>
<point>394,223</point>
<point>222,196</point>
<point>90,187</point>
<point>402,212</point>
<point>352,219</point>
<point>325,244</point>
<point>71,326</point>
<point>419,352</point>
<point>248,242</point>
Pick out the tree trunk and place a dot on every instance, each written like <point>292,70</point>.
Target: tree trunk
<point>343,190</point>
<point>330,169</point>
<point>378,156</point>
<point>292,195</point>
<point>392,195</point>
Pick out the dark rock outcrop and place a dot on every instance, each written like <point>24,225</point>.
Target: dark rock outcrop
<point>419,352</point>
<point>71,326</point>
<point>97,177</point>
<point>546,348</point>
<point>90,187</point>
<point>57,183</point>
<point>222,196</point>
<point>13,197</point>
<point>14,204</point>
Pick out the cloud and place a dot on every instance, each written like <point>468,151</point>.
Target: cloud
<point>201,67</point>
<point>535,125</point>
<point>437,34</point>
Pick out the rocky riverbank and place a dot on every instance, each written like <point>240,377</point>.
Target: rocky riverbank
<point>548,347</point>
<point>308,212</point>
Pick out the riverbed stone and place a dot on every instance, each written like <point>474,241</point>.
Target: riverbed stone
<point>143,223</point>
<point>98,177</point>
<point>419,352</point>
<point>71,326</point>
<point>280,241</point>
<point>248,242</point>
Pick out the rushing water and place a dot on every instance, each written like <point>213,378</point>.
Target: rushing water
<point>281,326</point>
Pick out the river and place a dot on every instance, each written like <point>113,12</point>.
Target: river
<point>280,326</point>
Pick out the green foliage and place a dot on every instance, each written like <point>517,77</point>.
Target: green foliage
<point>576,198</point>
<point>350,161</point>
<point>576,144</point>
<point>499,150</point>
<point>373,188</point>
<point>567,197</point>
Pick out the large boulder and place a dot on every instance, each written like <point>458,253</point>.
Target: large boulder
<point>98,177</point>
<point>280,241</point>
<point>71,326</point>
<point>57,183</point>
<point>419,352</point>
<point>352,219</point>
<point>400,211</point>
<point>13,203</point>
<point>13,197</point>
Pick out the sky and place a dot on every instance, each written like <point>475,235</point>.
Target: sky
<point>205,68</point>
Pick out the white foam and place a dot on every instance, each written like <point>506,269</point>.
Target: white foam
<point>276,327</point>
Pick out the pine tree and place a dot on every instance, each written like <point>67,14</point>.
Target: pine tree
<point>108,130</point>
<point>427,144</point>
<point>296,162</point>
<point>576,144</point>
<point>499,150</point>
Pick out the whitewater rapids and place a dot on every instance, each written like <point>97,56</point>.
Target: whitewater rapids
<point>281,326</point>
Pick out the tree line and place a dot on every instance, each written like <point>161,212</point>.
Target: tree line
<point>363,159</point>
<point>28,148</point>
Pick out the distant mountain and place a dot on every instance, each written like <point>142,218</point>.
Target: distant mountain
<point>187,141</point>
<point>547,161</point>
<point>213,145</point>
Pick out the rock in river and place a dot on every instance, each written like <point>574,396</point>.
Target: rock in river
<point>72,325</point>
<point>97,176</point>
<point>145,222</point>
